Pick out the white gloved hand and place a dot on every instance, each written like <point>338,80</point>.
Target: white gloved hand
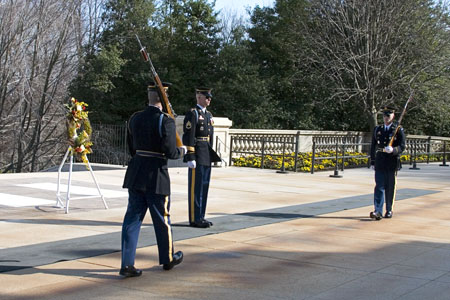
<point>372,167</point>
<point>184,149</point>
<point>388,149</point>
<point>191,164</point>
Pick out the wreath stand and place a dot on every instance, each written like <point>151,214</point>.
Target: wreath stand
<point>59,198</point>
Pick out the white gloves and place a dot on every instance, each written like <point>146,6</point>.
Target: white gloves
<point>191,164</point>
<point>388,149</point>
<point>184,148</point>
<point>372,167</point>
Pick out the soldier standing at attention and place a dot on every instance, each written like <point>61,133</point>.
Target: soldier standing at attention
<point>151,141</point>
<point>198,138</point>
<point>385,159</point>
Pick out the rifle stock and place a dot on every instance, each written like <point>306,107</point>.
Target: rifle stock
<point>167,107</point>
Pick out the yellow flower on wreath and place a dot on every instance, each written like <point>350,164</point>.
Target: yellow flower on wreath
<point>79,130</point>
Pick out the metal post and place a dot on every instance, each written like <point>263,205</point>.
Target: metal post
<point>282,170</point>
<point>444,158</point>
<point>410,152</point>
<point>297,142</point>
<point>343,156</point>
<point>336,172</point>
<point>313,157</point>
<point>414,167</point>
<point>428,149</point>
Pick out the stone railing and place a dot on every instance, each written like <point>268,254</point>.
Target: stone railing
<point>420,144</point>
<point>252,140</point>
<point>240,142</point>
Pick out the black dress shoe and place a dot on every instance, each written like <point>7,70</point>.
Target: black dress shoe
<point>388,214</point>
<point>130,271</point>
<point>374,215</point>
<point>177,258</point>
<point>209,222</point>
<point>200,224</point>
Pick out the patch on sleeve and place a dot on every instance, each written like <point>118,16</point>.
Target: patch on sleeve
<point>188,125</point>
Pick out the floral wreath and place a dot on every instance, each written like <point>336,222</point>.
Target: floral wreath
<point>79,130</point>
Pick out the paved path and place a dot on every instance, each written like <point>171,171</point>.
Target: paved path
<point>275,236</point>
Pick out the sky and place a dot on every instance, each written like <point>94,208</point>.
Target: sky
<point>239,6</point>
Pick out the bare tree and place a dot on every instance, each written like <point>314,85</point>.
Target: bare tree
<point>89,25</point>
<point>40,44</point>
<point>374,52</point>
<point>231,24</point>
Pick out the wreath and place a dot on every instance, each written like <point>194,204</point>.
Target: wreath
<point>79,130</point>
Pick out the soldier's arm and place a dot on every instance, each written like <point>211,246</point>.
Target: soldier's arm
<point>189,125</point>
<point>168,138</point>
<point>130,138</point>
<point>211,133</point>
<point>401,142</point>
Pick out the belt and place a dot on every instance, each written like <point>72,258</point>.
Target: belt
<point>146,153</point>
<point>203,138</point>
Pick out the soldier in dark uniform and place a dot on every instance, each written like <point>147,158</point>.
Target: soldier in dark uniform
<point>385,159</point>
<point>151,141</point>
<point>198,138</point>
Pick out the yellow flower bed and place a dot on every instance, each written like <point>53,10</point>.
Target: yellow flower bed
<point>304,161</point>
<point>421,158</point>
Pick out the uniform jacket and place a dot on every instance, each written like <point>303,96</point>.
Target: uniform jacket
<point>151,131</point>
<point>380,139</point>
<point>198,137</point>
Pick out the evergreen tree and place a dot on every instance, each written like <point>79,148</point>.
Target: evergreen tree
<point>240,93</point>
<point>272,48</point>
<point>189,30</point>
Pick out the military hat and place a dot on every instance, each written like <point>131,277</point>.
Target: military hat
<point>387,110</point>
<point>152,86</point>
<point>204,91</point>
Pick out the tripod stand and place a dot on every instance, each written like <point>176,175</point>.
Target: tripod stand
<point>59,198</point>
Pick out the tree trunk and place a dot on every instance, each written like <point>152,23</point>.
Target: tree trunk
<point>373,122</point>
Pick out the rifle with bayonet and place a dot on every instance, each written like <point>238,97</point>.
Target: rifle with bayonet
<point>400,119</point>
<point>167,107</point>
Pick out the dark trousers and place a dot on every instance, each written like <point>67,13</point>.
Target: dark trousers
<point>385,186</point>
<point>198,186</point>
<point>159,206</point>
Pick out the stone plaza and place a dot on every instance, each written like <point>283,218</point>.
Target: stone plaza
<point>275,236</point>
